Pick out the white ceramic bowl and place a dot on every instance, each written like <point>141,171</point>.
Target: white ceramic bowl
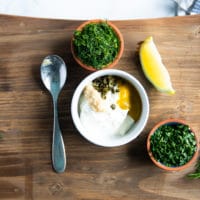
<point>104,140</point>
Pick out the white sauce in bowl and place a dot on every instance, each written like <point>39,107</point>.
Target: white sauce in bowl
<point>108,121</point>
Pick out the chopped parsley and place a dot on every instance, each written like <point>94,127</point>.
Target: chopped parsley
<point>173,145</point>
<point>196,174</point>
<point>96,44</point>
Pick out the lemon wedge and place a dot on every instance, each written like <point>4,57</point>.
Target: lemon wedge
<point>153,68</point>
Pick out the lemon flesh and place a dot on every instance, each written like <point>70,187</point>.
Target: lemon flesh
<point>153,68</point>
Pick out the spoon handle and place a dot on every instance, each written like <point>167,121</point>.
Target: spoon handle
<point>58,147</point>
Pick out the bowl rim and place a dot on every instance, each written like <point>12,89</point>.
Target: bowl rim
<point>140,123</point>
<point>119,54</point>
<point>157,163</point>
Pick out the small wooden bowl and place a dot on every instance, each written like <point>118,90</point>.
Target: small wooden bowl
<point>160,165</point>
<point>118,56</point>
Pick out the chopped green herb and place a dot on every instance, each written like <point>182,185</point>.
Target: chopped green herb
<point>96,44</point>
<point>196,174</point>
<point>173,145</point>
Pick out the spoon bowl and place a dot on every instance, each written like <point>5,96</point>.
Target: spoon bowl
<point>53,74</point>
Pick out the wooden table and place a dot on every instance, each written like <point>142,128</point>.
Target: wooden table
<point>93,172</point>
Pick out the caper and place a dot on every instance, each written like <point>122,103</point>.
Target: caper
<point>113,106</point>
<point>105,84</point>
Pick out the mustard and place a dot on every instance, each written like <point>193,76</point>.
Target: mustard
<point>129,99</point>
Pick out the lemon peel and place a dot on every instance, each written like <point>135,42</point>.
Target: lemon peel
<point>153,68</point>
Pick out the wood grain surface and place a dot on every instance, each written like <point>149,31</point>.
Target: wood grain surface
<point>93,172</point>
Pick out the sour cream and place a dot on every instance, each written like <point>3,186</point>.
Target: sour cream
<point>107,121</point>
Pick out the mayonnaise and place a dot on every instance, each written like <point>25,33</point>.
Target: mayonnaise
<point>97,115</point>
